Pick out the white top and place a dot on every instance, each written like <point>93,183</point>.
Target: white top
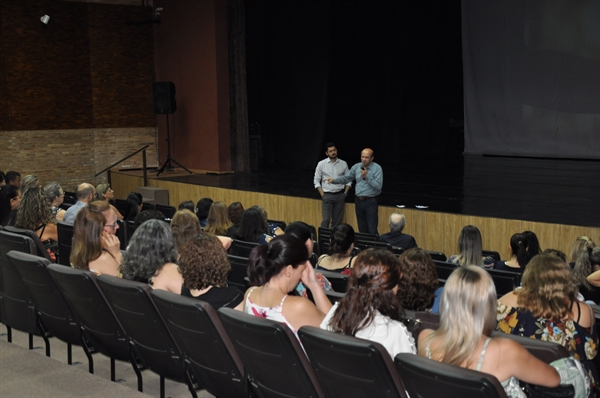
<point>328,169</point>
<point>391,334</point>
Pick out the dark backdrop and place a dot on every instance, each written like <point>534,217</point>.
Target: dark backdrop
<point>379,74</point>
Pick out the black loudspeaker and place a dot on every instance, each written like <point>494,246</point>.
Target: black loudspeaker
<point>164,98</point>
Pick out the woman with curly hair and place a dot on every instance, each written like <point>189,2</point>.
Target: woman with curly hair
<point>95,244</point>
<point>105,192</point>
<point>151,257</point>
<point>204,266</point>
<point>341,245</point>
<point>370,310</point>
<point>35,214</point>
<point>546,308</point>
<point>418,289</point>
<point>217,222</point>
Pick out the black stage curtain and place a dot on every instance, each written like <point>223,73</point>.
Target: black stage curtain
<point>379,74</point>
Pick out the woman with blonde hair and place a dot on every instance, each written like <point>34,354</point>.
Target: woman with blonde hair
<point>470,248</point>
<point>546,308</point>
<point>217,222</point>
<point>95,244</point>
<point>467,320</point>
<point>186,226</point>
<point>105,192</point>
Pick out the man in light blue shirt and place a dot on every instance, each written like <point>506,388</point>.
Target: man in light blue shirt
<point>85,194</point>
<point>369,181</point>
<point>333,195</point>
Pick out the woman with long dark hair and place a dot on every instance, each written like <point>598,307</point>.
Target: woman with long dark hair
<point>253,227</point>
<point>133,206</point>
<point>10,199</point>
<point>340,258</point>
<point>519,258</point>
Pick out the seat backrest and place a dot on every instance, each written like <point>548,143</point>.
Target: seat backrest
<point>437,255</point>
<point>241,248</point>
<point>121,205</point>
<point>274,361</point>
<point>492,254</point>
<point>365,244</point>
<point>88,303</point>
<point>417,321</point>
<point>347,366</point>
<point>122,234</point>
<point>239,272</point>
<point>280,224</point>
<point>443,269</point>
<point>339,281</point>
<point>545,351</point>
<point>65,242</point>
<point>366,236</point>
<point>41,250</point>
<point>17,308</point>
<point>324,239</point>
<point>505,281</point>
<point>168,211</point>
<point>70,198</point>
<point>144,326</point>
<point>58,318</point>
<point>424,377</point>
<point>207,348</point>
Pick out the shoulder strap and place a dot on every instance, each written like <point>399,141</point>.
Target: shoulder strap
<point>578,311</point>
<point>480,362</point>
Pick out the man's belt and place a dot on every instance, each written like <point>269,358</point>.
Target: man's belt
<point>335,193</point>
<point>365,197</point>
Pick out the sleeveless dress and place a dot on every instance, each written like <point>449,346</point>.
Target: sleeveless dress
<point>272,313</point>
<point>344,270</point>
<point>511,385</point>
<point>50,245</point>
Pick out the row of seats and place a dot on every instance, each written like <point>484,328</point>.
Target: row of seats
<point>226,352</point>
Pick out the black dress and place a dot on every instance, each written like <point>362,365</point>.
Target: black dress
<point>217,297</point>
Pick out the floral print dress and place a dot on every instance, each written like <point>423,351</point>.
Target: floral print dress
<point>582,343</point>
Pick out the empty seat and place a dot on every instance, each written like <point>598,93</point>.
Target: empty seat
<point>366,244</point>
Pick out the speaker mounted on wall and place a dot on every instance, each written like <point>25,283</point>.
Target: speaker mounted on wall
<point>164,98</point>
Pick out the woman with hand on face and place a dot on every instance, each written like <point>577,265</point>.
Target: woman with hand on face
<point>95,244</point>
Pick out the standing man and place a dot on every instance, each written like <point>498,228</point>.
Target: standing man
<point>369,180</point>
<point>333,195</point>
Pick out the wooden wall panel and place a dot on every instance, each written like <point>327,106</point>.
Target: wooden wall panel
<point>432,230</point>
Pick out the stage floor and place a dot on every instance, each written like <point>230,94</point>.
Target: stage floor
<point>543,190</point>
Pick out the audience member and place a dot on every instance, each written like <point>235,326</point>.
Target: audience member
<point>467,310</point>
<point>370,310</point>
<point>340,258</point>
<point>235,211</point>
<point>10,199</point>
<point>2,179</point>
<point>151,257</point>
<point>202,208</point>
<point>29,181</point>
<point>105,192</point>
<point>274,270</point>
<point>205,266</point>
<point>594,258</point>
<point>185,227</point>
<point>55,196</point>
<point>533,245</point>
<point>584,274</point>
<point>217,222</point>
<point>187,204</point>
<point>95,245</point>
<point>395,237</point>
<point>253,227</point>
<point>418,289</point>
<point>35,214</point>
<point>546,308</point>
<point>133,206</point>
<point>518,258</point>
<point>85,194</point>
<point>272,229</point>
<point>469,246</point>
<point>580,244</point>
<point>146,215</point>
<point>13,178</point>
<point>557,253</point>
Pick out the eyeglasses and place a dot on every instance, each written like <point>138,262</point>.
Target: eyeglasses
<point>113,225</point>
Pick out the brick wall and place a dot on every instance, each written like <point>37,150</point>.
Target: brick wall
<point>74,156</point>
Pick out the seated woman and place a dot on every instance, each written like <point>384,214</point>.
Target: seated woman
<point>533,245</point>
<point>274,270</point>
<point>341,245</point>
<point>589,261</point>
<point>370,310</point>
<point>185,226</point>
<point>467,319</point>
<point>133,206</point>
<point>418,288</point>
<point>95,245</point>
<point>272,229</point>
<point>10,199</point>
<point>253,227</point>
<point>105,192</point>
<point>546,308</point>
<point>217,222</point>
<point>35,214</point>
<point>151,257</point>
<point>469,245</point>
<point>55,196</point>
<point>202,208</point>
<point>204,266</point>
<point>518,259</point>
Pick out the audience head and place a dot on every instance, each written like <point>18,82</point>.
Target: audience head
<point>397,222</point>
<point>579,245</point>
<point>217,222</point>
<point>548,288</point>
<point>533,245</point>
<point>2,179</point>
<point>34,210</point>
<point>342,240</point>
<point>85,192</point>
<point>13,178</point>
<point>54,193</point>
<point>372,287</point>
<point>185,226</point>
<point>146,215</point>
<point>586,264</point>
<point>204,263</point>
<point>202,208</point>
<point>29,181</point>
<point>104,192</point>
<point>90,224</point>
<point>269,260</point>
<point>133,206</point>
<point>518,248</point>
<point>235,211</point>
<point>419,281</point>
<point>557,253</point>
<point>252,226</point>
<point>301,231</point>
<point>10,199</point>
<point>187,204</point>
<point>149,249</point>
<point>469,245</point>
<point>467,311</point>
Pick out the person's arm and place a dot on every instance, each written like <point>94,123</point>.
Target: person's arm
<point>60,215</point>
<point>525,366</point>
<point>113,246</point>
<point>594,278</point>
<point>318,178</point>
<point>346,178</point>
<point>309,278</point>
<point>375,178</point>
<point>225,241</point>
